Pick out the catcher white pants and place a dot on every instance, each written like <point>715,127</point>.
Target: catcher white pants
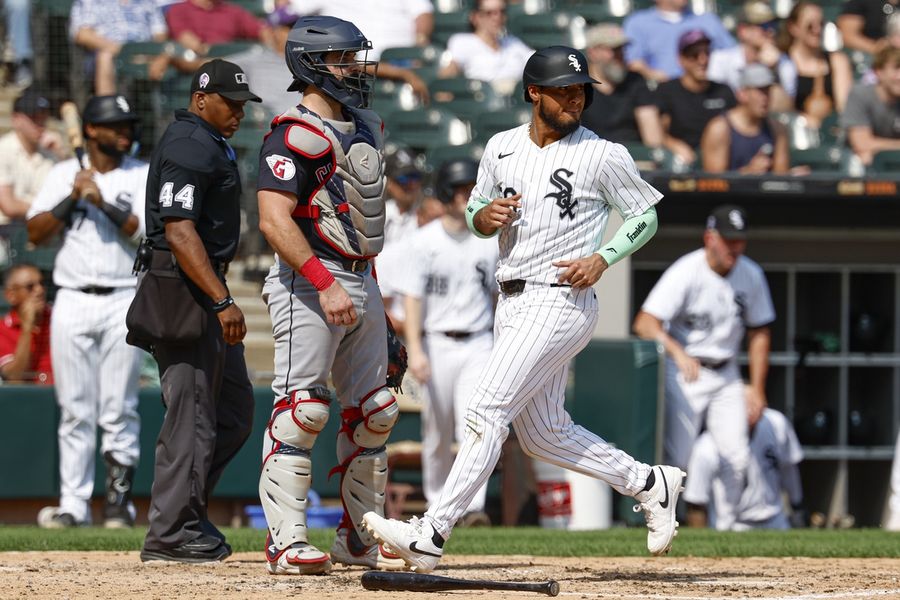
<point>536,334</point>
<point>455,367</point>
<point>96,375</point>
<point>716,398</point>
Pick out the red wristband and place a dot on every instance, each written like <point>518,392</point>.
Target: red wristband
<point>316,273</point>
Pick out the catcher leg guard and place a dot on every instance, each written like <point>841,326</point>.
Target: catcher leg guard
<point>285,480</point>
<point>363,458</point>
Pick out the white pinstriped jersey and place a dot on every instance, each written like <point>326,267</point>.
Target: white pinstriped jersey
<point>454,277</point>
<point>567,190</point>
<point>94,251</point>
<point>707,313</point>
<point>774,449</point>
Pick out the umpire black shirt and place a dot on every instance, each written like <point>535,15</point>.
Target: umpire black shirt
<point>193,175</point>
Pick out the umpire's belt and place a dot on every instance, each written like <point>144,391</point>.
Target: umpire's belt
<point>356,266</point>
<point>517,286</point>
<point>713,364</point>
<point>164,259</point>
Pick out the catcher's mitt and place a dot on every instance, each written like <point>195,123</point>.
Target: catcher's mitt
<point>396,358</point>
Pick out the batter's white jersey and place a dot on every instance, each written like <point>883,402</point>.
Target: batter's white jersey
<point>567,190</point>
<point>707,313</point>
<point>455,274</point>
<point>94,252</point>
<point>774,450</point>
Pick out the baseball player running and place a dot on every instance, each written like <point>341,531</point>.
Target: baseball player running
<point>449,298</point>
<point>99,207</point>
<point>699,310</point>
<point>321,208</point>
<point>546,188</point>
<point>774,458</point>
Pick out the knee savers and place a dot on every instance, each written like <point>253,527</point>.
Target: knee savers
<point>371,424</point>
<point>298,419</point>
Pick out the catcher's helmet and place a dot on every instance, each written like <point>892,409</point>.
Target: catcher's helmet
<point>558,66</point>
<point>310,38</point>
<point>453,173</point>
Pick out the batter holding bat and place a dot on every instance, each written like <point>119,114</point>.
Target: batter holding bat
<point>96,201</point>
<point>546,189</point>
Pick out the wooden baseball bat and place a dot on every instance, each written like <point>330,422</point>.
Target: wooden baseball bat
<point>72,120</point>
<point>394,581</point>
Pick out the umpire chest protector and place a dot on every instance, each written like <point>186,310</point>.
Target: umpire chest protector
<point>341,200</point>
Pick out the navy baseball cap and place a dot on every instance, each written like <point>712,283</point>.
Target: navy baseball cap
<point>729,220</point>
<point>31,103</point>
<point>224,78</point>
<point>690,38</point>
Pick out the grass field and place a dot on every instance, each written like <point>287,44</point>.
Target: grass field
<point>814,543</point>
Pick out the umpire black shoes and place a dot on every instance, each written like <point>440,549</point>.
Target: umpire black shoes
<point>204,549</point>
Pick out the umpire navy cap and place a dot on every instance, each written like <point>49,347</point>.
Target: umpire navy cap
<point>729,220</point>
<point>31,103</point>
<point>224,78</point>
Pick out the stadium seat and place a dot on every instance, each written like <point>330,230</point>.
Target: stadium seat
<point>489,123</point>
<point>602,11</point>
<point>423,129</point>
<point>650,159</point>
<point>827,159</point>
<point>437,156</point>
<point>230,48</point>
<point>540,31</point>
<point>886,162</point>
<point>257,7</point>
<point>446,24</point>
<point>390,96</point>
<point>413,57</point>
<point>54,8</point>
<point>466,98</point>
<point>451,6</point>
<point>134,58</point>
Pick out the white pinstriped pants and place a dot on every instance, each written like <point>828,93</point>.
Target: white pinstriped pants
<point>536,334</point>
<point>96,375</point>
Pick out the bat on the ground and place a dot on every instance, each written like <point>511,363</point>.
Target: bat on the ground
<point>72,120</point>
<point>420,582</point>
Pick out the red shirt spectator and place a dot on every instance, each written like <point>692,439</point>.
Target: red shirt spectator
<point>22,360</point>
<point>213,22</point>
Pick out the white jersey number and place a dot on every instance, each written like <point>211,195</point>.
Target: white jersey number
<point>185,195</point>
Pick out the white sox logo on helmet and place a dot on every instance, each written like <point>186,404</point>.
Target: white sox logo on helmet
<point>573,60</point>
<point>282,167</point>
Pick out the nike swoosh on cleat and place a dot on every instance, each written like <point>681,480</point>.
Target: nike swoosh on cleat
<point>501,156</point>
<point>664,503</point>
<point>415,549</point>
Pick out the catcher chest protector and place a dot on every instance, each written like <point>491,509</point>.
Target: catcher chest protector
<point>347,208</point>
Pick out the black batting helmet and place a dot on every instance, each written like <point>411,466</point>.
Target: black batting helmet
<point>310,39</point>
<point>558,66</point>
<point>452,173</point>
<point>108,109</point>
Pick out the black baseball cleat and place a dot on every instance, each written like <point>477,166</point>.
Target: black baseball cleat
<point>204,549</point>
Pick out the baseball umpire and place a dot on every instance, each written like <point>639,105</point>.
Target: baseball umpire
<point>98,207</point>
<point>699,310</point>
<point>193,225</point>
<point>321,180</point>
<point>546,189</point>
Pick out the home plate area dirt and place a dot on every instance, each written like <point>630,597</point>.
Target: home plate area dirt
<point>122,576</point>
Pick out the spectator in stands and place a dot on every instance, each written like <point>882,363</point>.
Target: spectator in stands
<point>102,27</point>
<point>863,23</point>
<point>18,27</point>
<point>25,329</point>
<point>26,155</point>
<point>653,34</point>
<point>744,139</point>
<point>688,103</point>
<point>199,24</point>
<point>872,116</point>
<point>404,194</point>
<point>622,110</point>
<point>775,454</point>
<point>387,23</point>
<point>488,53</point>
<point>823,78</point>
<point>756,29</point>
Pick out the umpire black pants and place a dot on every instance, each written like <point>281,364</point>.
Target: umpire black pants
<point>209,416</point>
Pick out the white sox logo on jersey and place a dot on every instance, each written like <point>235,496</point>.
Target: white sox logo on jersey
<point>563,195</point>
<point>282,167</point>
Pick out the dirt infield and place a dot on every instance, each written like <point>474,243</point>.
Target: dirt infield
<point>121,576</point>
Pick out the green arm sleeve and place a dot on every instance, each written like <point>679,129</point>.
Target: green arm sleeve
<point>634,233</point>
<point>475,204</point>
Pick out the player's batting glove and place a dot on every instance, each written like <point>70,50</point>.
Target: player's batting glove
<point>397,360</point>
